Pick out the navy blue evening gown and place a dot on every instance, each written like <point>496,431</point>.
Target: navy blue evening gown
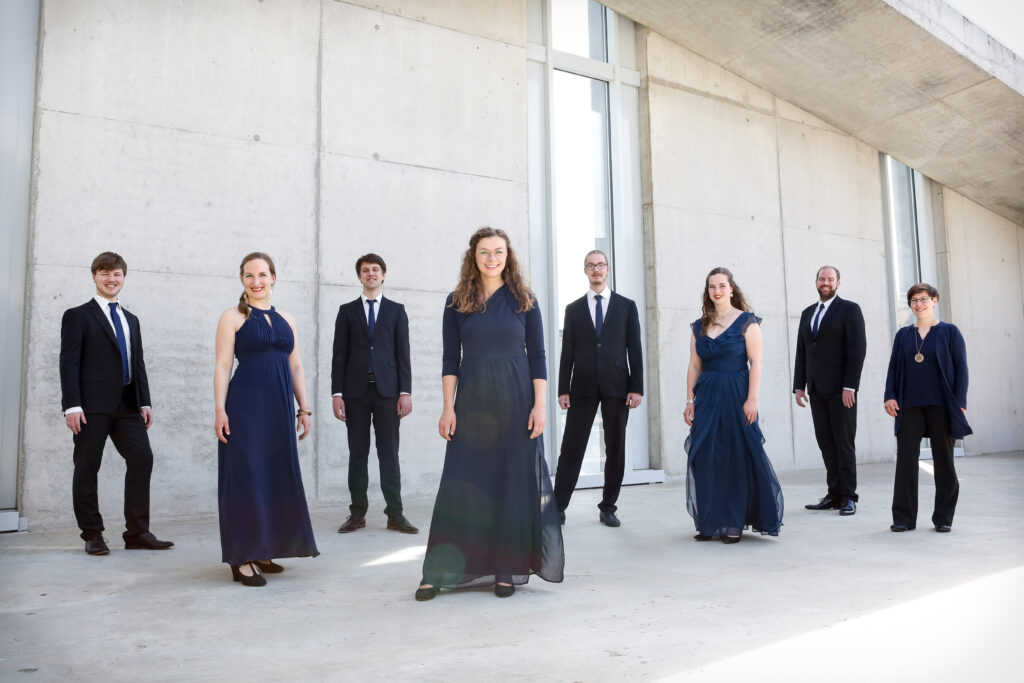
<point>730,483</point>
<point>263,511</point>
<point>495,516</point>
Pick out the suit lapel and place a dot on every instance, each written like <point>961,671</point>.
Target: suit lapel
<point>360,312</point>
<point>830,312</point>
<point>583,315</point>
<point>101,318</point>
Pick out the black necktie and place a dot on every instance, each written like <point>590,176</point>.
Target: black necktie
<point>371,322</point>
<point>817,319</point>
<point>598,316</point>
<point>122,343</point>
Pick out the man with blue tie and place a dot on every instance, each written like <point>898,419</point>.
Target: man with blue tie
<point>830,351</point>
<point>371,381</point>
<point>105,392</point>
<point>601,366</point>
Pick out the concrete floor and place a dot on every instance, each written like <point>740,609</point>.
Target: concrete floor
<point>836,599</point>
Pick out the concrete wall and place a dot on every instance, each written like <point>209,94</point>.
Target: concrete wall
<point>742,179</point>
<point>184,135</point>
<point>986,301</point>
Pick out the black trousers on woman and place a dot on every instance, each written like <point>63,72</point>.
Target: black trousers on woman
<point>913,424</point>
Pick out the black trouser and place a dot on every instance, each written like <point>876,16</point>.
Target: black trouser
<point>913,423</point>
<point>835,428</point>
<point>578,422</point>
<point>127,430</point>
<point>383,413</point>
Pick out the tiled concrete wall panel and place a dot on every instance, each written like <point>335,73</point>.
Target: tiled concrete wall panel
<point>987,274</point>
<point>408,92</point>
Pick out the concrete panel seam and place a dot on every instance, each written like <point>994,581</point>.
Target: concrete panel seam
<point>317,226</point>
<point>424,167</point>
<point>672,85</point>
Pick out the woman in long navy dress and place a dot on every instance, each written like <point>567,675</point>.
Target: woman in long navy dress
<point>262,503</point>
<point>495,519</point>
<point>926,391</point>
<point>730,483</point>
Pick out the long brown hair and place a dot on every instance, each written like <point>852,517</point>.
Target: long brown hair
<point>469,296</point>
<point>243,301</point>
<point>708,306</point>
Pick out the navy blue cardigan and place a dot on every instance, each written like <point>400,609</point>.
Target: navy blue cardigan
<point>951,354</point>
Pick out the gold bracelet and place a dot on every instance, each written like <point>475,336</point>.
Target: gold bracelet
<point>303,412</point>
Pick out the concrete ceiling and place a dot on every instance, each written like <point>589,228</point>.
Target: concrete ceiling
<point>912,78</point>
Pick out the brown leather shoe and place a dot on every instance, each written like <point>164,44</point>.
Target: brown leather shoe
<point>352,523</point>
<point>400,523</point>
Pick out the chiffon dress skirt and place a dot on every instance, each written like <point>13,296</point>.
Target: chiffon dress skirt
<point>495,517</point>
<point>730,483</point>
<point>262,503</point>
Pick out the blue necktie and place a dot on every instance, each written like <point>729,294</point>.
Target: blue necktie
<point>371,322</point>
<point>817,319</point>
<point>122,343</point>
<point>598,316</point>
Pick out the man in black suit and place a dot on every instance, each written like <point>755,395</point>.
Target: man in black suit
<point>601,365</point>
<point>371,378</point>
<point>105,392</point>
<point>830,351</point>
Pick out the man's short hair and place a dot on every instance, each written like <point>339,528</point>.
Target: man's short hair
<point>839,279</point>
<point>108,260</point>
<point>592,252</point>
<point>370,258</point>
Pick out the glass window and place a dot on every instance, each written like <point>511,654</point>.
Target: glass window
<point>579,27</point>
<point>905,264</point>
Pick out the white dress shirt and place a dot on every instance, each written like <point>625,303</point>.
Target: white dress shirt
<point>606,295</point>
<point>821,316</point>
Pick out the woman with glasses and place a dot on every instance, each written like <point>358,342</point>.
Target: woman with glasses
<point>926,391</point>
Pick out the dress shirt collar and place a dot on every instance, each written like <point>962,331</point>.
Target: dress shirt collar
<point>605,295</point>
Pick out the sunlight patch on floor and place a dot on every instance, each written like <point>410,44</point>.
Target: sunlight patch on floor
<point>409,554</point>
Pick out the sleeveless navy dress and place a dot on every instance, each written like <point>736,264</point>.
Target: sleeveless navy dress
<point>262,503</point>
<point>495,517</point>
<point>730,483</point>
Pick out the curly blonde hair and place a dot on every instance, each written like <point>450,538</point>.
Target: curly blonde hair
<point>469,296</point>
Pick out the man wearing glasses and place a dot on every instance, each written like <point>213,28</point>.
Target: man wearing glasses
<point>830,350</point>
<point>601,366</point>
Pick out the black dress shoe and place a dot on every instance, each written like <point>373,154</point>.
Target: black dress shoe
<point>943,528</point>
<point>901,527</point>
<point>268,567</point>
<point>504,591</point>
<point>146,541</point>
<point>609,519</point>
<point>424,594</point>
<point>96,546</point>
<point>702,537</point>
<point>254,580</point>
<point>849,508</point>
<point>352,523</point>
<point>399,523</point>
<point>561,517</point>
<point>826,503</point>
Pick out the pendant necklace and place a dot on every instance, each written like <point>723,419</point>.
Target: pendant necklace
<point>918,357</point>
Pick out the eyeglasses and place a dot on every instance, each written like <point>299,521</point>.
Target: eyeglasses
<point>924,300</point>
<point>590,267</point>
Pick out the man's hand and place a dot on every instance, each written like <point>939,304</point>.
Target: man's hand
<point>633,400</point>
<point>74,421</point>
<point>801,397</point>
<point>563,401</point>
<point>147,416</point>
<point>404,406</point>
<point>849,397</point>
<point>339,408</point>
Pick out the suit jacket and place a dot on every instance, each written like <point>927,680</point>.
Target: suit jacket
<point>951,354</point>
<point>389,350</point>
<point>834,359</point>
<point>90,362</point>
<point>610,366</point>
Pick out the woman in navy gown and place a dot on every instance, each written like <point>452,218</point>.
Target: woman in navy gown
<point>730,483</point>
<point>926,391</point>
<point>263,511</point>
<point>495,519</point>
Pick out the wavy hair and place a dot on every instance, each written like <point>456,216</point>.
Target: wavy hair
<point>708,306</point>
<point>469,296</point>
<point>243,301</point>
